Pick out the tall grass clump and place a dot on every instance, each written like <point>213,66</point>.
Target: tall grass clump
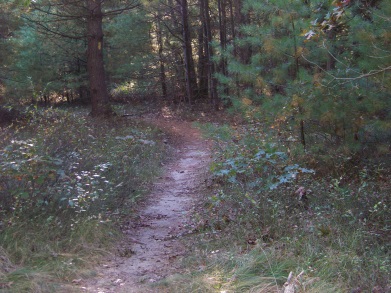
<point>65,180</point>
<point>270,211</point>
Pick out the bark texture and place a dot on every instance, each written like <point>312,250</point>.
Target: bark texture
<point>95,66</point>
<point>190,76</point>
<point>159,35</point>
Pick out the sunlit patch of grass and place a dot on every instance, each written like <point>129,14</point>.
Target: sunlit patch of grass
<point>260,268</point>
<point>31,280</point>
<point>47,258</point>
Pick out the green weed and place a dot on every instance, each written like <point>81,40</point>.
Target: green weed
<point>65,180</point>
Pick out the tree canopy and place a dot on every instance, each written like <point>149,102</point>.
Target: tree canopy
<point>325,65</point>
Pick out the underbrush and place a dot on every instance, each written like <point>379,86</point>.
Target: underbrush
<point>267,214</point>
<point>65,179</point>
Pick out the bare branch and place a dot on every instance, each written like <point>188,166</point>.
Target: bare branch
<point>335,58</point>
<point>133,5</point>
<point>347,79</point>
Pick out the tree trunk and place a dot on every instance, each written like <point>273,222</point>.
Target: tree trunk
<point>202,59</point>
<point>190,76</point>
<point>302,134</point>
<point>161,58</point>
<point>232,19</point>
<point>244,51</point>
<point>223,65</point>
<point>95,66</point>
<point>209,51</point>
<point>223,34</point>
<point>296,55</point>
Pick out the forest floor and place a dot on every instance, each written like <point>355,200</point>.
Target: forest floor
<point>185,225</point>
<point>151,248</point>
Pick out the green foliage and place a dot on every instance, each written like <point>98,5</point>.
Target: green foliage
<point>49,64</point>
<point>333,228</point>
<point>64,179</point>
<point>26,173</point>
<point>324,64</point>
<point>75,171</point>
<point>129,52</point>
<point>221,132</point>
<point>267,166</point>
<point>55,69</point>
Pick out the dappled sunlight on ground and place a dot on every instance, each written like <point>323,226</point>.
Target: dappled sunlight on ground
<point>167,112</point>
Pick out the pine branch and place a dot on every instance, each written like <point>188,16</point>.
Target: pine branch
<point>51,31</point>
<point>133,5</point>
<point>348,79</point>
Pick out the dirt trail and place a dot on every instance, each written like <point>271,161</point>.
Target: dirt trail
<point>152,247</point>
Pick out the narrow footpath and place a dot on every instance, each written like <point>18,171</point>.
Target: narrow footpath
<point>152,248</point>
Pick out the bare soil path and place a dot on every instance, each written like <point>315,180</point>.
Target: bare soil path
<point>152,247</point>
